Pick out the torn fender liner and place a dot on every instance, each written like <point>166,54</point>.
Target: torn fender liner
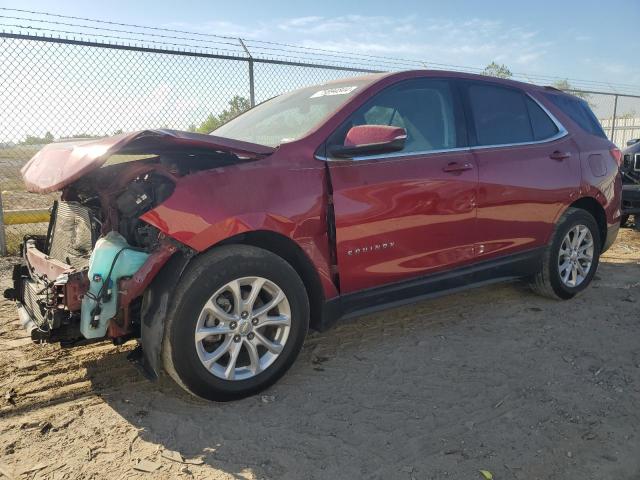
<point>156,302</point>
<point>59,164</point>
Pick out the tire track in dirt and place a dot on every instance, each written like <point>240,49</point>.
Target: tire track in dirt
<point>493,378</point>
<point>36,375</point>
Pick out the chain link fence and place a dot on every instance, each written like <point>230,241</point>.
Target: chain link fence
<point>60,88</point>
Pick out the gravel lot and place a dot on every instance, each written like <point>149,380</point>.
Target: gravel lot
<point>493,379</point>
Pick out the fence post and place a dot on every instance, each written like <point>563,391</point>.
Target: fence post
<point>3,237</point>
<point>615,112</point>
<point>252,95</point>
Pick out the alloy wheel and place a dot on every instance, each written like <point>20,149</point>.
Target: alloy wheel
<point>243,328</point>
<point>575,256</point>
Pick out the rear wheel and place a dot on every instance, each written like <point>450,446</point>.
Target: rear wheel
<point>571,260</point>
<point>239,320</point>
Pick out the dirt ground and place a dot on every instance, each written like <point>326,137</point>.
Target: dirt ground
<point>496,379</point>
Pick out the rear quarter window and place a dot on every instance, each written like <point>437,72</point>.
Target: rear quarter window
<point>543,127</point>
<point>578,110</point>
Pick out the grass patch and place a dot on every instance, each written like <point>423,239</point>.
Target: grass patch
<point>15,233</point>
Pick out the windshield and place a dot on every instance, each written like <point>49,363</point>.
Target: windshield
<point>292,115</point>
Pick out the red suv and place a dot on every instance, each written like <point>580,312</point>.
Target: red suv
<point>219,251</point>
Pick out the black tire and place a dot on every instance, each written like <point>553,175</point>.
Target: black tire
<point>547,282</point>
<point>204,276</point>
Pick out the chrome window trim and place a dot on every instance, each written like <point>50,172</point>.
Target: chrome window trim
<point>562,132</point>
<point>386,156</point>
<point>636,162</point>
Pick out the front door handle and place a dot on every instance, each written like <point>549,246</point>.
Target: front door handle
<point>558,155</point>
<point>455,167</point>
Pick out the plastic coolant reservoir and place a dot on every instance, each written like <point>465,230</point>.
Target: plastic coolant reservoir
<point>94,322</point>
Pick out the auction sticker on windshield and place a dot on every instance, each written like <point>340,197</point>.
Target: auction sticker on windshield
<point>333,91</point>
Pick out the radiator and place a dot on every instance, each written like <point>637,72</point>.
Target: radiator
<point>31,295</point>
<point>71,237</point>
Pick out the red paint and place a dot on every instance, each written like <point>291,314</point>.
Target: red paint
<point>439,210</point>
<point>60,164</point>
<point>521,193</point>
<point>213,205</point>
<point>617,155</point>
<point>432,211</point>
<point>74,289</point>
<point>427,213</point>
<point>131,288</point>
<point>372,135</point>
<point>43,265</point>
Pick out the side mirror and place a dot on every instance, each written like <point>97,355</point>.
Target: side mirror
<point>370,140</point>
<point>633,141</point>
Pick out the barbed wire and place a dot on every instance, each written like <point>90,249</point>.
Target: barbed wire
<point>141,42</point>
<point>340,57</point>
<point>211,35</point>
<point>106,29</point>
<point>268,49</point>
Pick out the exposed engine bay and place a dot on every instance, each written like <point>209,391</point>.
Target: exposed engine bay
<point>86,278</point>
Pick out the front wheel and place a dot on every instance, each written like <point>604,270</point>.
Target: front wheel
<point>239,319</point>
<point>570,261</point>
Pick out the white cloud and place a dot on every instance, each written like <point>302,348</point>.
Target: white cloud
<point>219,27</point>
<point>473,42</point>
<point>615,68</point>
<point>298,22</point>
<point>527,58</point>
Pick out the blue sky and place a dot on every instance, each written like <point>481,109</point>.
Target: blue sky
<point>588,40</point>
<point>48,86</point>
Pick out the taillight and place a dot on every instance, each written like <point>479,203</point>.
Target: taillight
<point>617,155</point>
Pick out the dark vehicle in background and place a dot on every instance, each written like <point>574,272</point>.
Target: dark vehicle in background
<point>217,252</point>
<point>630,172</point>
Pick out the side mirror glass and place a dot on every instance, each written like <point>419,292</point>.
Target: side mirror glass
<point>370,140</point>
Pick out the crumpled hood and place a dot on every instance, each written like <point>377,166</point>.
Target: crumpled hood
<point>60,164</point>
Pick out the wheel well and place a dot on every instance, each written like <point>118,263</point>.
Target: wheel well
<point>291,252</point>
<point>592,206</point>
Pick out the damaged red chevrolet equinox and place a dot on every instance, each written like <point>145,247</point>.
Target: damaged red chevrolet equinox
<point>218,252</point>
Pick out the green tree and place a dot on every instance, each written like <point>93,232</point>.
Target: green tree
<point>33,140</point>
<point>495,70</point>
<point>208,125</point>
<point>83,135</point>
<point>237,105</point>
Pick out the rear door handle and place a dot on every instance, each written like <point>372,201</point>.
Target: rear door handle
<point>558,155</point>
<point>455,167</point>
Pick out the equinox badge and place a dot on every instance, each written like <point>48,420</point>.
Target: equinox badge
<point>371,248</point>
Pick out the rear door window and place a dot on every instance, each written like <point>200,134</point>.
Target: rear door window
<point>499,115</point>
<point>578,110</point>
